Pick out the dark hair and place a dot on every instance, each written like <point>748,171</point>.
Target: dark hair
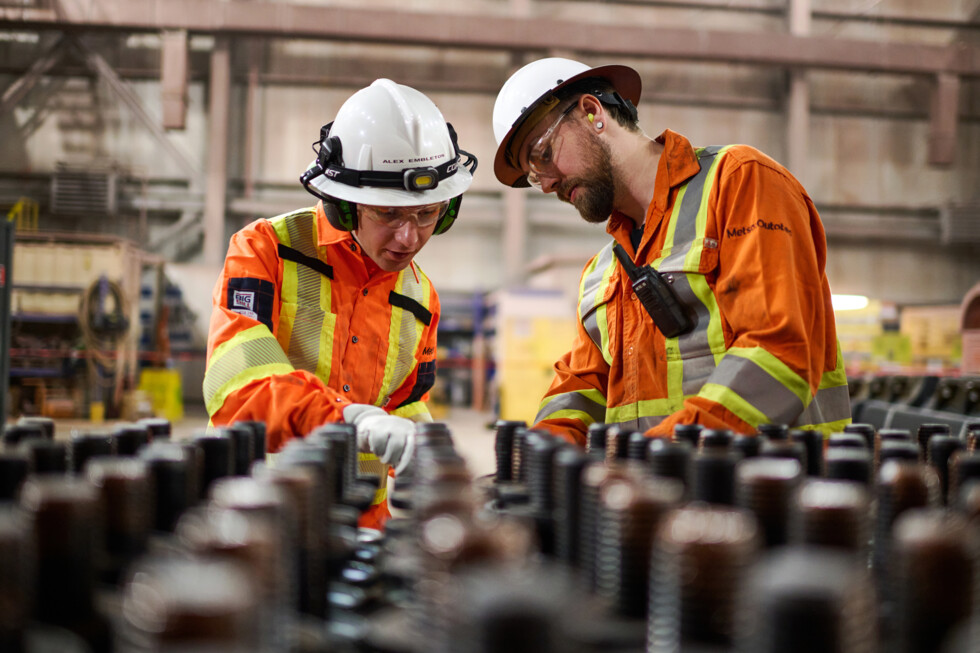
<point>602,90</point>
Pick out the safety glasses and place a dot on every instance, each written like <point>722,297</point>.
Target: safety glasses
<point>396,217</point>
<point>541,157</point>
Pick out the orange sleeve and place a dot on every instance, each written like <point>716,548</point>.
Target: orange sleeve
<point>291,404</point>
<point>770,283</point>
<point>581,369</point>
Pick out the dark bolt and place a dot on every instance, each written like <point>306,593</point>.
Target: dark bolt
<point>87,445</point>
<point>216,449</point>
<point>630,512</point>
<point>433,434</point>
<point>636,447</point>
<point>258,437</point>
<point>14,434</point>
<point>14,467</point>
<point>617,443</point>
<point>785,449</point>
<point>926,432</point>
<point>701,559</point>
<point>774,431</point>
<point>715,440</point>
<point>831,513</point>
<point>503,446</point>
<point>194,600</point>
<point>747,445</point>
<point>972,439</point>
<point>941,448</point>
<point>669,459</point>
<point>169,468</point>
<point>17,563</point>
<point>567,478</point>
<point>963,468</point>
<point>315,457</point>
<point>127,498</point>
<point>65,515</point>
<point>808,600</point>
<point>159,428</point>
<point>935,571</point>
<point>897,450</point>
<point>128,438</point>
<point>46,424</point>
<point>891,435</point>
<point>594,476</point>
<point>541,450</point>
<point>766,487</point>
<point>846,441</point>
<point>848,464</point>
<point>901,486</point>
<point>596,442</point>
<point>518,471</point>
<point>867,431</point>
<point>242,449</point>
<point>47,456</point>
<point>812,442</point>
<point>967,501</point>
<point>343,454</point>
<point>689,433</point>
<point>195,468</point>
<point>713,476</point>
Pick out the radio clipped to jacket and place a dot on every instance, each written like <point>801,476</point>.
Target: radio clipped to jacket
<point>657,297</point>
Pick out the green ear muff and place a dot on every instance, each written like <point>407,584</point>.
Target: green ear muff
<point>449,217</point>
<point>341,214</point>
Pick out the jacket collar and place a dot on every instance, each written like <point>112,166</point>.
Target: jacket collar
<point>678,163</point>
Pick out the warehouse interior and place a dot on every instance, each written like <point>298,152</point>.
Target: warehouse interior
<point>140,135</point>
<point>161,128</point>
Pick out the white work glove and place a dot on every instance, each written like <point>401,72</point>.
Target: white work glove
<point>389,437</point>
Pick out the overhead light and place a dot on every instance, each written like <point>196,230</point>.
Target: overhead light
<point>849,302</point>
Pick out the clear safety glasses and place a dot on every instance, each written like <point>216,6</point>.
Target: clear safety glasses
<point>396,217</point>
<point>541,157</point>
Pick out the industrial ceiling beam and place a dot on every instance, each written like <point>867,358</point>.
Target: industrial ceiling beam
<point>286,20</point>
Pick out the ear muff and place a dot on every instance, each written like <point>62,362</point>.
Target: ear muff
<point>449,217</point>
<point>341,214</point>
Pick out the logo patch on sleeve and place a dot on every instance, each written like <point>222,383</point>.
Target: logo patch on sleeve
<point>252,298</point>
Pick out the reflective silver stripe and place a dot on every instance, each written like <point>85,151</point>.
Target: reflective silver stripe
<point>694,346</point>
<point>829,405</point>
<point>240,357</point>
<point>588,296</point>
<point>304,341</point>
<point>756,386</point>
<point>572,401</point>
<point>685,231</point>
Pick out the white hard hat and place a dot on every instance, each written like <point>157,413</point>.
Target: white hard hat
<point>388,146</point>
<point>524,92</point>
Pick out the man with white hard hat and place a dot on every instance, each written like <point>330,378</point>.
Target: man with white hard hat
<point>321,315</point>
<point>711,305</point>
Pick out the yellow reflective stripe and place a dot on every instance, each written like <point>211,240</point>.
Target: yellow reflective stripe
<point>380,496</point>
<point>270,459</point>
<point>244,378</point>
<point>777,369</point>
<point>644,408</point>
<point>369,464</point>
<point>289,284</point>
<point>603,324</point>
<point>716,334</point>
<point>404,334</point>
<point>827,427</point>
<point>594,320</point>
<point>325,356</point>
<point>249,355</point>
<point>837,376</point>
<point>733,402</point>
<point>416,411</point>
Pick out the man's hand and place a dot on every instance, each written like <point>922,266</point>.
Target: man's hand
<point>389,437</point>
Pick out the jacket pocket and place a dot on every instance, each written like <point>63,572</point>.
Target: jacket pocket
<point>688,277</point>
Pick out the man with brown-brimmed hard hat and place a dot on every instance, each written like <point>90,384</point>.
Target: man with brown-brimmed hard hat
<point>710,305</point>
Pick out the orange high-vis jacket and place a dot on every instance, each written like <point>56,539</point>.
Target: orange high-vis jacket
<point>739,241</point>
<point>304,324</point>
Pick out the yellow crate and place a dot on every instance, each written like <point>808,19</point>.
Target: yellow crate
<point>165,391</point>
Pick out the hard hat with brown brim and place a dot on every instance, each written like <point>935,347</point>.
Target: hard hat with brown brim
<point>529,94</point>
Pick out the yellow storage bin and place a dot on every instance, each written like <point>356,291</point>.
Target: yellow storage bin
<point>163,387</point>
